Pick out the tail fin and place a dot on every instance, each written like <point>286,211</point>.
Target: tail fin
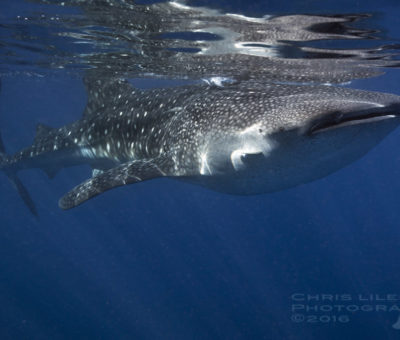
<point>18,185</point>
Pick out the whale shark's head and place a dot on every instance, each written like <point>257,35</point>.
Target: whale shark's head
<point>300,138</point>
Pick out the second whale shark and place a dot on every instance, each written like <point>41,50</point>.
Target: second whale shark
<point>244,137</point>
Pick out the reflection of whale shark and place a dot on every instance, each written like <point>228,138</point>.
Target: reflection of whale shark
<point>243,138</point>
<point>173,40</point>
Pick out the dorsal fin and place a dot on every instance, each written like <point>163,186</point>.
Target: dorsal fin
<point>42,130</point>
<point>103,92</point>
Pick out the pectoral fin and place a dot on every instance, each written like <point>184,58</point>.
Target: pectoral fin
<point>127,173</point>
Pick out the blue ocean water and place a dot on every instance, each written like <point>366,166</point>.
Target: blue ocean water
<point>167,260</point>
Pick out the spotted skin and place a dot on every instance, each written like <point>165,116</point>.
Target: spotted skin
<point>244,137</point>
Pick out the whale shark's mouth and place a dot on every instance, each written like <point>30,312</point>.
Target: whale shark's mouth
<point>339,119</point>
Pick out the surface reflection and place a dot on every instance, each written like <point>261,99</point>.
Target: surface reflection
<point>175,40</point>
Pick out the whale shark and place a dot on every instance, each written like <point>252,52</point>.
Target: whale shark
<point>239,137</point>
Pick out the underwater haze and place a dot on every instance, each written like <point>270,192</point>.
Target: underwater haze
<point>165,259</point>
